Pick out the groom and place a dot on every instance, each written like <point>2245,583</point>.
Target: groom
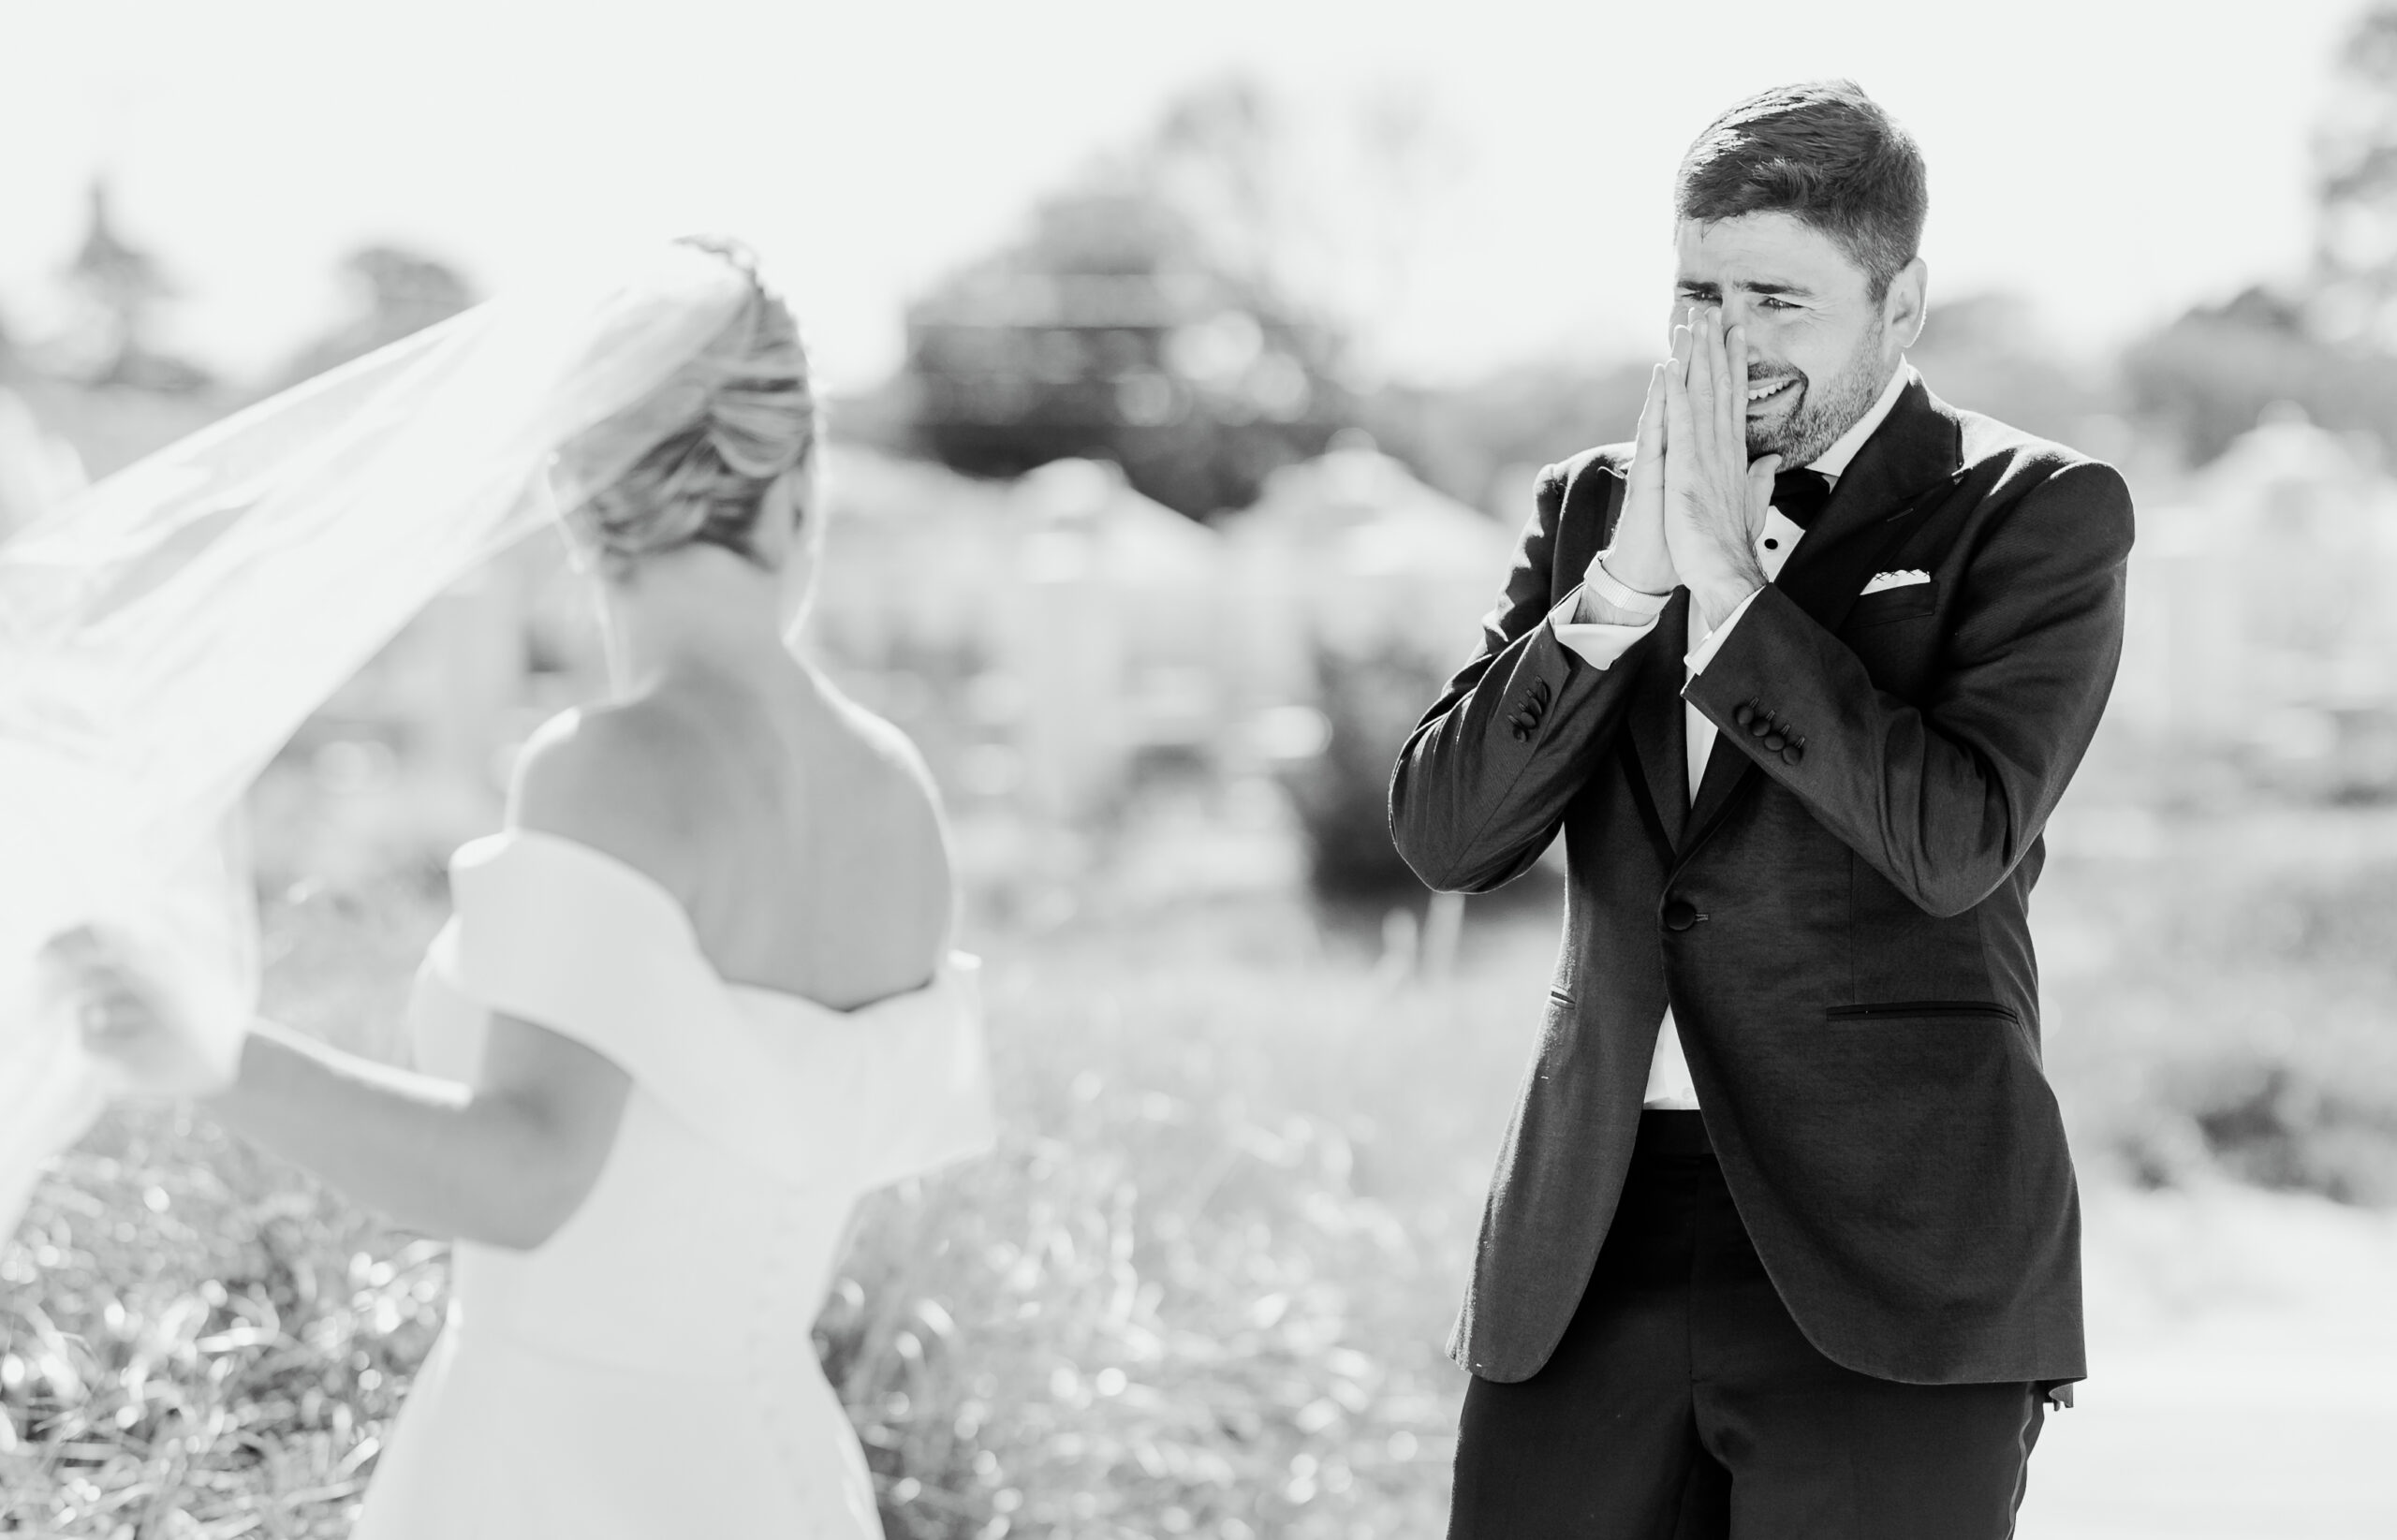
<point>1783,1241</point>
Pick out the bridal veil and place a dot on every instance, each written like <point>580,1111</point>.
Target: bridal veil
<point>163,633</point>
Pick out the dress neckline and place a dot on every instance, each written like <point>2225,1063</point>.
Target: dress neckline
<point>490,846</point>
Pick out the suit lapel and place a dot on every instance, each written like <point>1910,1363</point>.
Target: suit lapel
<point>1657,732</point>
<point>1916,451</point>
<point>1658,722</point>
<point>1887,489</point>
<point>1726,770</point>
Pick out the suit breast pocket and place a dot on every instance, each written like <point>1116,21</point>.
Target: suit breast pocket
<point>1894,603</point>
<point>1896,635</point>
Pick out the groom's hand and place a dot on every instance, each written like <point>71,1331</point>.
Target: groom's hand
<point>1638,556</point>
<point>1714,500</point>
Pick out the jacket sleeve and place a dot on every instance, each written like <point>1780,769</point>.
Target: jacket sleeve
<point>1483,780</point>
<point>1943,799</point>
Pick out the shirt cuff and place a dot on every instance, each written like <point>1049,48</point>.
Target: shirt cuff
<point>1601,584</point>
<point>1712,643</point>
<point>1597,644</point>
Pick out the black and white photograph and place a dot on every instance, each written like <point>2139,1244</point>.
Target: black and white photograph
<point>1306,772</point>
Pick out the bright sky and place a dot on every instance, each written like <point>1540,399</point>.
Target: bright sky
<point>2113,159</point>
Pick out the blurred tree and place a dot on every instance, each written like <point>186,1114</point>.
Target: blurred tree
<point>1986,353</point>
<point>119,287</point>
<point>2324,344</point>
<point>1480,442</point>
<point>2208,376</point>
<point>1175,309</point>
<point>1113,331</point>
<point>2354,153</point>
<point>394,293</point>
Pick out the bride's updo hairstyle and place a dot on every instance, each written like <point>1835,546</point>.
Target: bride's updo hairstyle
<point>693,461</point>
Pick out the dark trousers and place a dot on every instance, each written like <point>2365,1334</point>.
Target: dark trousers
<point>1684,1403</point>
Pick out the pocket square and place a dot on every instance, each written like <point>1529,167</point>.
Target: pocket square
<point>1883,582</point>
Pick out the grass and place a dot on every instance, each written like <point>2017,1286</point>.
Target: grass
<point>1201,1286</point>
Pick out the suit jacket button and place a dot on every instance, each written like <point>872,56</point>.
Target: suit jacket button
<point>1743,713</point>
<point>1680,915</point>
<point>1774,742</point>
<point>1791,755</point>
<point>1759,727</point>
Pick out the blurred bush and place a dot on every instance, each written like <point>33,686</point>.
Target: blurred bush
<point>2222,1007</point>
<point>1372,702</point>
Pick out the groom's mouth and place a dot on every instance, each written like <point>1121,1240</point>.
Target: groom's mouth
<point>1772,395</point>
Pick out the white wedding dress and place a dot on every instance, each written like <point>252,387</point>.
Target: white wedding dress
<point>647,1373</point>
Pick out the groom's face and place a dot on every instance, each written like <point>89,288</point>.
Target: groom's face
<point>1821,347</point>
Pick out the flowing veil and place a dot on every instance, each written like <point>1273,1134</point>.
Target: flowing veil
<point>163,633</point>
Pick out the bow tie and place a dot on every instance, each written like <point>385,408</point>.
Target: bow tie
<point>1801,495</point>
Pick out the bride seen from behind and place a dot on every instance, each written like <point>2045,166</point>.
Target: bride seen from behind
<point>695,999</point>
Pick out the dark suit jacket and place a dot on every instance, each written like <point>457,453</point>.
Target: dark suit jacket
<point>1840,922</point>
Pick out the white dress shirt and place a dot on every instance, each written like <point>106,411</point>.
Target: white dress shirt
<point>1611,617</point>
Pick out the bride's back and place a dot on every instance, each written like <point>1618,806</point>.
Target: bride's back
<point>800,832</point>
<point>819,867</point>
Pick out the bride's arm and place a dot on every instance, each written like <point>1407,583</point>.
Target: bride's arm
<point>504,1162</point>
<point>509,1159</point>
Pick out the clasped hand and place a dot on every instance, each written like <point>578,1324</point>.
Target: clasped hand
<point>1695,505</point>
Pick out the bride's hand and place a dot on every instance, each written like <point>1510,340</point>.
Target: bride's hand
<point>126,1019</point>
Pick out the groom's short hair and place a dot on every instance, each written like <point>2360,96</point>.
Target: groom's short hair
<point>1823,152</point>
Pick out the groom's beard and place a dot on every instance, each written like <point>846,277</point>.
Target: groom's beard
<point>1823,411</point>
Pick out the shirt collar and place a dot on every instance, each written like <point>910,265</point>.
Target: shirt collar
<point>1832,462</point>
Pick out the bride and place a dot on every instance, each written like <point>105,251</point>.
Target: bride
<point>695,999</point>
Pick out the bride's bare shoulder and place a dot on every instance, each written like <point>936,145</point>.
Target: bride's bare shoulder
<point>880,740</point>
<point>620,779</point>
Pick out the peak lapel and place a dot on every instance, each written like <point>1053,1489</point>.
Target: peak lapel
<point>1917,450</point>
<point>1659,728</point>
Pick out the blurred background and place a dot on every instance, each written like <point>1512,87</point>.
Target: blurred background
<point>1189,371</point>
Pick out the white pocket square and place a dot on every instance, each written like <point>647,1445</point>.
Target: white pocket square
<point>1882,582</point>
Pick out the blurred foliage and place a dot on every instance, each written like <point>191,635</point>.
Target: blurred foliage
<point>1482,441</point>
<point>393,293</point>
<point>2328,344</point>
<point>1109,334</point>
<point>2223,1003</point>
<point>1986,353</point>
<point>1137,320</point>
<point>2208,376</point>
<point>117,287</point>
<point>2354,153</point>
<point>1372,702</point>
